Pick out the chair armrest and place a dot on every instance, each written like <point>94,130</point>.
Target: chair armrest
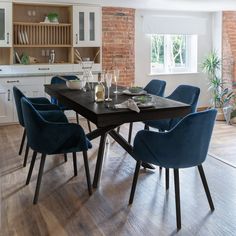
<point>45,107</point>
<point>58,136</point>
<point>54,116</point>
<point>39,100</point>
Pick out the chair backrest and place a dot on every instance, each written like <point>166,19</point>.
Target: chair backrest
<point>185,145</point>
<point>156,87</point>
<point>51,137</point>
<point>191,139</point>
<point>18,95</point>
<point>58,80</point>
<point>33,124</point>
<point>187,94</point>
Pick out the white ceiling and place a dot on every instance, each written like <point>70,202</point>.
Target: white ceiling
<point>180,5</point>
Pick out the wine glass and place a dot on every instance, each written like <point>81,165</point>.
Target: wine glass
<point>116,78</point>
<point>108,79</point>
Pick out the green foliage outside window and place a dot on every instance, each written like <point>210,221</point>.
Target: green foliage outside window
<point>170,49</point>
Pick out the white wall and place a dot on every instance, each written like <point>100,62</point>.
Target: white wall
<point>143,56</point>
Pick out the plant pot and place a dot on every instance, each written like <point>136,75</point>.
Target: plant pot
<point>220,114</point>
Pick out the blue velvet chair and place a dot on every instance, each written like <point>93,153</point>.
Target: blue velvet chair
<point>185,145</point>
<point>183,93</point>
<point>40,103</point>
<point>58,80</point>
<point>53,138</point>
<point>154,87</point>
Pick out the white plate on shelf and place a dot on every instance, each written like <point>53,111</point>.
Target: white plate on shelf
<point>127,92</point>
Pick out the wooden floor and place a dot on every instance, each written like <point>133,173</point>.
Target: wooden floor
<point>64,207</point>
<point>223,143</point>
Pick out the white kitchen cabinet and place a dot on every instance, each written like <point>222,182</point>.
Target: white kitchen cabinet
<point>30,86</point>
<point>86,26</point>
<point>6,103</point>
<point>5,24</point>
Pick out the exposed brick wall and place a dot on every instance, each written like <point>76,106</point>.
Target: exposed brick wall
<point>229,48</point>
<point>118,32</point>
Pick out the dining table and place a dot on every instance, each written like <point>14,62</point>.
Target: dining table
<point>107,117</point>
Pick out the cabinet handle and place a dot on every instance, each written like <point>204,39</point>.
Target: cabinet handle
<point>43,68</point>
<point>8,38</point>
<point>76,38</point>
<point>12,81</point>
<point>8,96</point>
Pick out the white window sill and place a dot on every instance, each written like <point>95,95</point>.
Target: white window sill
<point>173,73</point>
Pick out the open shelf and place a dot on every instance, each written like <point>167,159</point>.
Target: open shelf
<point>36,35</point>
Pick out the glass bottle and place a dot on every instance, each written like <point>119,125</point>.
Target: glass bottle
<point>99,90</point>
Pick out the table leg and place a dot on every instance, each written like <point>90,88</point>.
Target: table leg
<point>128,148</point>
<point>98,168</point>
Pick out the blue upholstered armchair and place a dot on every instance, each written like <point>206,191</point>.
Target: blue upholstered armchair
<point>49,111</point>
<point>183,93</point>
<point>58,80</point>
<point>154,87</point>
<point>185,145</point>
<point>53,138</point>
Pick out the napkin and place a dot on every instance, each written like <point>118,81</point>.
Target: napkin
<point>130,104</point>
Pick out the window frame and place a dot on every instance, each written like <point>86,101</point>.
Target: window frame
<point>191,56</point>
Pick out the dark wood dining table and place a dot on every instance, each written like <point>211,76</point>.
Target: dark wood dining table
<point>106,117</point>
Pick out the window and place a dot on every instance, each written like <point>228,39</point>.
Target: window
<point>173,53</point>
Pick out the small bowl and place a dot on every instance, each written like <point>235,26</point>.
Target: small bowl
<point>135,89</point>
<point>75,84</point>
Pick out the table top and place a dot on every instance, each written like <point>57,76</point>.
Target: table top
<point>103,113</point>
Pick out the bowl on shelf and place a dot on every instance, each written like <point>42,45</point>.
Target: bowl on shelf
<point>75,84</point>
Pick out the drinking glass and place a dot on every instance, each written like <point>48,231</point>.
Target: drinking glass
<point>108,79</point>
<point>116,78</point>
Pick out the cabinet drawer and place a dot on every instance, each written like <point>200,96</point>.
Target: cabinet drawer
<point>42,69</point>
<point>96,68</point>
<point>5,70</point>
<point>32,80</point>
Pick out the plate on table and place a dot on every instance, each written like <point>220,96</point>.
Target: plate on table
<point>134,91</point>
<point>143,101</point>
<point>145,105</point>
<point>142,98</point>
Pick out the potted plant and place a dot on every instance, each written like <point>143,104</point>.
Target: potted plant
<point>53,17</point>
<point>221,95</point>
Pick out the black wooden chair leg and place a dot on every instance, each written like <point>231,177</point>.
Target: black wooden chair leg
<point>31,167</point>
<point>205,185</point>
<point>40,175</point>
<point>86,166</point>
<point>26,155</point>
<point>135,179</point>
<point>77,117</point>
<point>22,142</point>
<point>130,132</point>
<point>146,127</point>
<point>65,157</point>
<point>167,178</point>
<point>89,126</point>
<point>75,163</point>
<point>177,198</point>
